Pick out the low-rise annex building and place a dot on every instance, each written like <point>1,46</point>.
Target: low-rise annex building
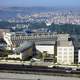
<point>24,51</point>
<point>47,46</point>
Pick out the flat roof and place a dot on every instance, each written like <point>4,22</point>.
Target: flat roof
<point>64,43</point>
<point>45,43</point>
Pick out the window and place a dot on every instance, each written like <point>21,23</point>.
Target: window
<point>65,53</point>
<point>70,49</point>
<point>70,52</point>
<point>65,57</point>
<point>59,57</point>
<point>59,52</point>
<point>65,60</point>
<point>60,49</point>
<point>70,56</point>
<point>65,49</point>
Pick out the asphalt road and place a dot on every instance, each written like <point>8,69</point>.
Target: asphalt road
<point>13,76</point>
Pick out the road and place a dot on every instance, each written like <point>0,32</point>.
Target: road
<point>13,76</point>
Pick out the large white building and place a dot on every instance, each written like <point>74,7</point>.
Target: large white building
<point>45,46</point>
<point>20,37</point>
<point>65,52</point>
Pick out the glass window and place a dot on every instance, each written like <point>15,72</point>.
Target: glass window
<point>65,49</point>
<point>65,52</point>
<point>70,49</point>
<point>60,52</point>
<point>60,48</point>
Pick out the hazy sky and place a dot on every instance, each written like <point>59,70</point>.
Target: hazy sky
<point>72,3</point>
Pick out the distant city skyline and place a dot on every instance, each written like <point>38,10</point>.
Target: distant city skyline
<point>48,3</point>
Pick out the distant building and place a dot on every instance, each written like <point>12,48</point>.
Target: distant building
<point>2,31</point>
<point>65,52</point>
<point>48,23</point>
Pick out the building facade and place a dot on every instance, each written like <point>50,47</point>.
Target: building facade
<point>65,52</point>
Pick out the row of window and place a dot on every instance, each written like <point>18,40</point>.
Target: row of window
<point>65,53</point>
<point>65,49</point>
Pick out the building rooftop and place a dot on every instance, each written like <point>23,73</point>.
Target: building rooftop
<point>45,43</point>
<point>64,43</point>
<point>63,36</point>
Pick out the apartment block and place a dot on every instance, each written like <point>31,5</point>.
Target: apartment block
<point>65,52</point>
